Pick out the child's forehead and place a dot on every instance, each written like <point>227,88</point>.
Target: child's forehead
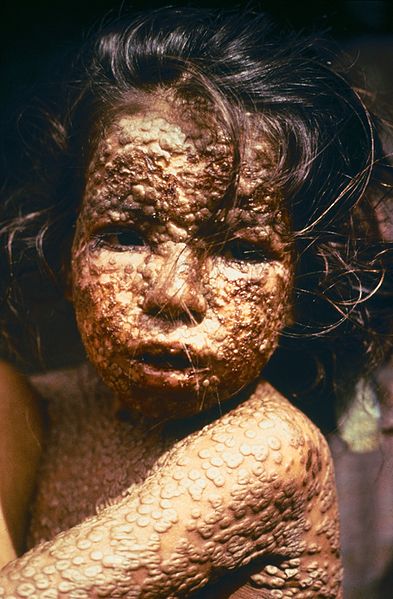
<point>178,161</point>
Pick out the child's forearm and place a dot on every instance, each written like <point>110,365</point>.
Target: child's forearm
<point>224,497</point>
<point>181,526</point>
<point>155,542</point>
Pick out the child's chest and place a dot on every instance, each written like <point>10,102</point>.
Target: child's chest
<point>92,457</point>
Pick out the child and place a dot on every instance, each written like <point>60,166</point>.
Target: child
<point>209,196</point>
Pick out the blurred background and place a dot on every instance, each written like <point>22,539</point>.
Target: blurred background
<point>33,34</point>
<point>34,38</point>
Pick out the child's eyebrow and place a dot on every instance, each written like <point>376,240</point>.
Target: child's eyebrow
<point>248,215</point>
<point>261,208</point>
<point>126,203</point>
<point>237,219</point>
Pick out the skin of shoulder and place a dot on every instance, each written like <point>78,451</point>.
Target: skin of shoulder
<point>252,492</point>
<point>20,449</point>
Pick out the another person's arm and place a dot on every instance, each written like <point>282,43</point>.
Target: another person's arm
<point>20,449</point>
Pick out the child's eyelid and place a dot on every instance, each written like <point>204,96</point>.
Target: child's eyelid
<point>250,235</point>
<point>108,228</point>
<point>266,240</point>
<point>245,234</point>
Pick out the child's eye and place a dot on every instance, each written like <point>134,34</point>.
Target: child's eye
<point>245,251</point>
<point>119,239</point>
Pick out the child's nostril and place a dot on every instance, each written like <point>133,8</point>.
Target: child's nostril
<point>187,306</point>
<point>174,312</point>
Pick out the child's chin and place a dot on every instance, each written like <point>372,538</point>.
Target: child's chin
<point>168,403</point>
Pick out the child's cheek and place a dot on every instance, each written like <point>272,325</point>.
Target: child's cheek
<point>252,310</point>
<point>108,290</point>
<point>246,309</point>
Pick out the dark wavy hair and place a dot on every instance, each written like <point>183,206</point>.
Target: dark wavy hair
<point>330,171</point>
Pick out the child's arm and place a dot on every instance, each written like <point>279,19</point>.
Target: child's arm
<point>255,487</point>
<point>20,449</point>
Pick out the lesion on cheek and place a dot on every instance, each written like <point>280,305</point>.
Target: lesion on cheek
<point>279,279</point>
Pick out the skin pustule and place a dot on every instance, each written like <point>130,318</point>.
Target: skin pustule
<point>178,311</point>
<point>190,310</point>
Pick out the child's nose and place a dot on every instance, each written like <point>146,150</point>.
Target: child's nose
<point>178,291</point>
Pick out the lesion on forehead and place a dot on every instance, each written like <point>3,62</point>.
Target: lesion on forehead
<point>163,154</point>
<point>165,124</point>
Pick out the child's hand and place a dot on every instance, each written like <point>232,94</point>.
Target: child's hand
<point>254,489</point>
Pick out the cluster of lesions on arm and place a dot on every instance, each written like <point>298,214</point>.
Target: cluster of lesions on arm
<point>270,514</point>
<point>255,485</point>
<point>249,485</point>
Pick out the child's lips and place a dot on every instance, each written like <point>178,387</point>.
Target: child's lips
<point>166,361</point>
<point>167,365</point>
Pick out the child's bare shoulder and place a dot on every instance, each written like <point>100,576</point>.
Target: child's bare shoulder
<point>267,429</point>
<point>258,494</point>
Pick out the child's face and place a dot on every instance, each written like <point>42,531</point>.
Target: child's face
<point>175,320</point>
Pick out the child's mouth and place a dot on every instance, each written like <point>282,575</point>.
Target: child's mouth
<point>160,365</point>
<point>167,360</point>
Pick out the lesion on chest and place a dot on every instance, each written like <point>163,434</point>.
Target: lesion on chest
<point>92,459</point>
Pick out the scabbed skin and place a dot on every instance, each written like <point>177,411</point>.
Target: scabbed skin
<point>159,174</point>
<point>255,485</point>
<point>145,489</point>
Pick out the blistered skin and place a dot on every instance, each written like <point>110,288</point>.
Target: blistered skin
<point>252,492</point>
<point>144,492</point>
<point>160,289</point>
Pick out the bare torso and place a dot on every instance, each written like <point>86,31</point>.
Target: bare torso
<point>251,493</point>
